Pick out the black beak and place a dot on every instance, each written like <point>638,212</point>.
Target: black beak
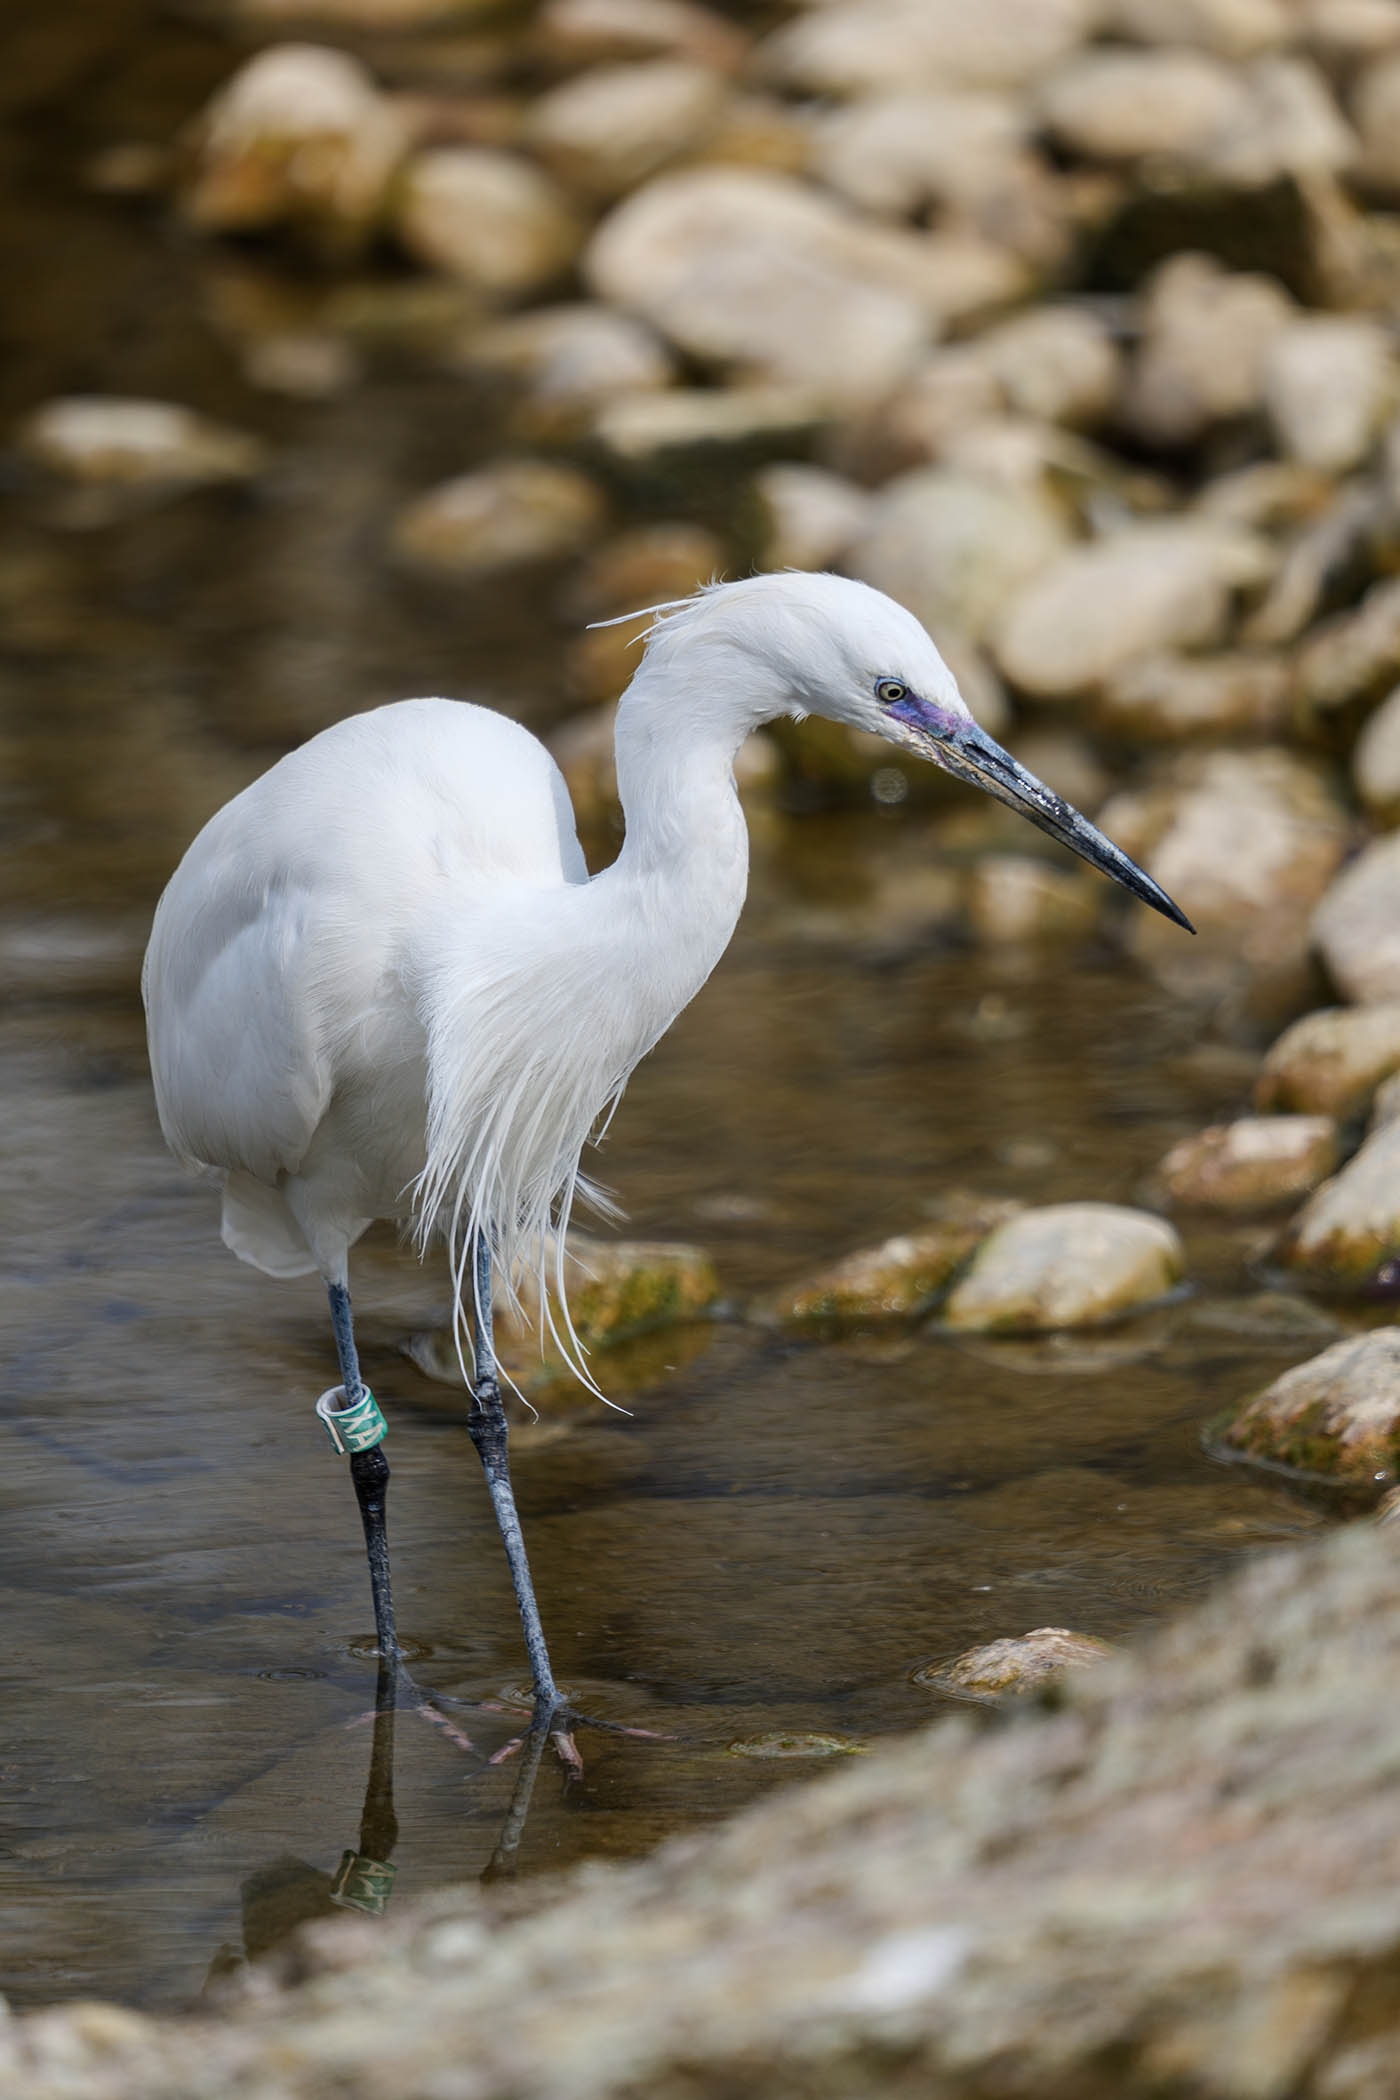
<point>962,748</point>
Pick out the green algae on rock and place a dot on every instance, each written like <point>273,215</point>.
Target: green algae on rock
<point>1347,1235</point>
<point>1067,1265</point>
<point>1337,1416</point>
<point>900,1276</point>
<point>1017,1664</point>
<point>1331,1061</point>
<point>1255,1163</point>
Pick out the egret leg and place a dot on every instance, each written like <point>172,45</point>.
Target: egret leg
<point>369,1472</point>
<point>486,1425</point>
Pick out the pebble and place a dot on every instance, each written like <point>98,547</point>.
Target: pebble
<point>593,32</point>
<point>513,511</point>
<point>1056,364</point>
<point>1347,1236</point>
<point>1330,1062</point>
<point>1170,699</point>
<point>1352,658</point>
<point>758,274</point>
<point>1231,28</point>
<point>1012,897</point>
<point>610,128</point>
<point>1327,385</point>
<point>1253,1164</point>
<point>1067,1265</point>
<point>900,1276</point>
<point>1357,925</point>
<point>300,134</point>
<point>809,516</point>
<point>570,359</point>
<point>1020,1663</point>
<point>1118,104</point>
<point>487,217</point>
<point>641,428</point>
<point>1337,1415</point>
<point>113,440</point>
<point>1200,360</point>
<point>855,47</point>
<point>1149,587</point>
<point>1376,762</point>
<point>954,547</point>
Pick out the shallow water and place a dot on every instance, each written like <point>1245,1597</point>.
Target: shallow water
<point>782,1532</point>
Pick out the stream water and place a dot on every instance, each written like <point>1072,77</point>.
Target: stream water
<point>783,1531</point>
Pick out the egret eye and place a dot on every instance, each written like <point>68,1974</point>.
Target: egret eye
<point>888,690</point>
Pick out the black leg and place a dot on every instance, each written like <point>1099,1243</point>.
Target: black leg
<point>487,1426</point>
<point>369,1472</point>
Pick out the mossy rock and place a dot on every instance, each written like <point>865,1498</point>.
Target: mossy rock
<point>901,1275</point>
<point>1335,1418</point>
<point>1014,1666</point>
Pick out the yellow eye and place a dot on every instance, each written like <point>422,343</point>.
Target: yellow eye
<point>888,690</point>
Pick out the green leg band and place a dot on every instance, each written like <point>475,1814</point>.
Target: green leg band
<point>352,1429</point>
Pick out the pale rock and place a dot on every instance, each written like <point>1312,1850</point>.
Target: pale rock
<point>1269,495</point>
<point>759,131</point>
<point>1337,1415</point>
<point>1018,1664</point>
<point>809,516</point>
<point>1354,657</point>
<point>570,358</point>
<point>1330,1062</point>
<point>953,548</point>
<point>596,32</point>
<point>299,135</point>
<point>1230,28</point>
<point>1385,1108</point>
<point>1168,699</point>
<point>1327,384</point>
<point>900,1276</point>
<point>1255,1163</point>
<point>610,128</point>
<point>1344,31</point>
<point>963,278</point>
<point>1357,925</point>
<point>487,217</point>
<point>1347,1236</point>
<point>1200,361</point>
<point>350,15</point>
<point>856,47</point>
<point>640,428</point>
<point>1058,364</point>
<point>758,274</point>
<point>1148,587</point>
<point>1120,104</point>
<point>1067,1265</point>
<point>509,512</point>
<point>645,566</point>
<point>897,154</point>
<point>948,393</point>
<point>1246,842</point>
<point>1012,897</point>
<point>1291,126</point>
<point>1376,762</point>
<point>1376,109</point>
<point>118,441</point>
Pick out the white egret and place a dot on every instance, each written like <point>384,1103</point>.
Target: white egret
<point>381,983</point>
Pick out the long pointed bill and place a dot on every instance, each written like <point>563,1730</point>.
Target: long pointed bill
<point>961,747</point>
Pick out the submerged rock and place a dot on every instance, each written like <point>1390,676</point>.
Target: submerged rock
<point>1336,1415</point>
<point>902,1275</point>
<point>511,512</point>
<point>114,441</point>
<point>1020,1663</point>
<point>1347,1236</point>
<point>1068,1265</point>
<point>1331,1062</point>
<point>1256,1163</point>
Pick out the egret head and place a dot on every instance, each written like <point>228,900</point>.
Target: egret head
<point>800,643</point>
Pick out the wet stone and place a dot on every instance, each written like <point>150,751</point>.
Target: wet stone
<point>1331,1061</point>
<point>1357,925</point>
<point>902,1275</point>
<point>1067,1265</point>
<point>511,512</point>
<point>1337,1415</point>
<point>1020,1663</point>
<point>1347,1236</point>
<point>792,1744</point>
<point>1253,1164</point>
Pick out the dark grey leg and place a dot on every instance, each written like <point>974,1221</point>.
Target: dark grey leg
<point>369,1471</point>
<point>486,1424</point>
